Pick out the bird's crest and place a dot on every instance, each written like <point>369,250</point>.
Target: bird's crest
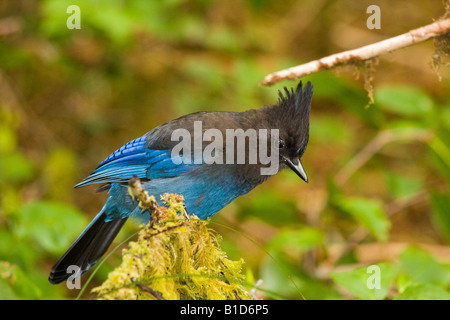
<point>298,102</point>
<point>294,114</point>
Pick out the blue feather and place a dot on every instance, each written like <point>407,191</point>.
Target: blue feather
<point>131,148</point>
<point>134,158</point>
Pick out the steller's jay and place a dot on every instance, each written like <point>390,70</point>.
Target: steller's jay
<point>206,185</point>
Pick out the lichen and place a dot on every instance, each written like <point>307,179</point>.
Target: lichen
<point>175,258</point>
<point>441,56</point>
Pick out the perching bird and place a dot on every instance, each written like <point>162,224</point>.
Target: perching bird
<point>206,186</point>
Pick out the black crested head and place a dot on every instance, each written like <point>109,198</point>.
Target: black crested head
<point>291,117</point>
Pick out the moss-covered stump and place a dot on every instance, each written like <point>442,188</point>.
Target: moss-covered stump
<point>175,258</point>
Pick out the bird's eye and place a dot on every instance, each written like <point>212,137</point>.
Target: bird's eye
<point>281,144</point>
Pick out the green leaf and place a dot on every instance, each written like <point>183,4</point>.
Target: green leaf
<point>19,286</point>
<point>279,276</point>
<point>299,240</point>
<point>52,225</point>
<point>6,293</point>
<point>369,213</point>
<point>420,266</point>
<point>15,168</point>
<point>271,207</point>
<point>440,144</point>
<point>113,21</point>
<point>107,17</point>
<point>404,100</point>
<point>330,130</point>
<point>445,116</point>
<point>423,291</point>
<point>327,86</point>
<point>401,186</point>
<point>368,283</point>
<point>441,204</point>
<point>440,152</point>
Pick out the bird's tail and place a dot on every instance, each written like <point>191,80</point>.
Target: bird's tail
<point>90,246</point>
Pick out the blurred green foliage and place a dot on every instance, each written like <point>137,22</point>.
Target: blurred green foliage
<point>379,176</point>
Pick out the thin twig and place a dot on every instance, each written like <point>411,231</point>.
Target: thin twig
<point>158,295</point>
<point>364,53</point>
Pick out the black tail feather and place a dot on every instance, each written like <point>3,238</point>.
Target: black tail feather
<point>87,249</point>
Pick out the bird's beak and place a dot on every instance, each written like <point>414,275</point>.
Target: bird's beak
<point>296,166</point>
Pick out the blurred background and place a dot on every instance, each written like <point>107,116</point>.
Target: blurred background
<point>379,175</point>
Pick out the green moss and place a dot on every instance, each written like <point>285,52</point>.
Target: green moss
<point>175,258</point>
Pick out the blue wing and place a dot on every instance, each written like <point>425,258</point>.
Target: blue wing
<point>134,158</point>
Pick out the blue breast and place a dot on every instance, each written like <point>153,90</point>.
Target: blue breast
<point>205,192</point>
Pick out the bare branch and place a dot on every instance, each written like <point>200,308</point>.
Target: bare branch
<point>361,54</point>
